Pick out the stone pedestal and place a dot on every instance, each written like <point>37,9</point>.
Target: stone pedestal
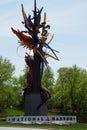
<point>32,101</point>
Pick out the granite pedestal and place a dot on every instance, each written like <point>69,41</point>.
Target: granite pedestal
<point>32,101</point>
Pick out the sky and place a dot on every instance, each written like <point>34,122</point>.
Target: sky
<point>68,20</point>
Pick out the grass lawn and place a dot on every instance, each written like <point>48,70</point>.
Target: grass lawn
<point>78,126</point>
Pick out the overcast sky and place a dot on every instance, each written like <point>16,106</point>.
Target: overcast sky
<point>68,20</point>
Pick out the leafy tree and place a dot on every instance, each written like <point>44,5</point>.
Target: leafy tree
<point>48,82</point>
<point>48,78</point>
<point>6,71</point>
<point>23,78</point>
<point>68,89</point>
<point>81,100</point>
<point>9,93</point>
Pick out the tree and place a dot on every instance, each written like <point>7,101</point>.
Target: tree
<point>6,71</point>
<point>48,82</point>
<point>9,91</point>
<point>81,100</point>
<point>48,78</point>
<point>68,88</point>
<point>23,79</point>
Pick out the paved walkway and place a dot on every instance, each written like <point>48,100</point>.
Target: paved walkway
<point>15,128</point>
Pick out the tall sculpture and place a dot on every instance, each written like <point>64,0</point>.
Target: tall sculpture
<point>35,39</point>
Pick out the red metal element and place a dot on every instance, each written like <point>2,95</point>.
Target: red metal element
<point>29,61</point>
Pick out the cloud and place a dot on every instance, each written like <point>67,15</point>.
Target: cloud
<point>72,19</point>
<point>6,2</point>
<point>11,16</point>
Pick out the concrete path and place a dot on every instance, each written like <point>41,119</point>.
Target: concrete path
<point>15,128</point>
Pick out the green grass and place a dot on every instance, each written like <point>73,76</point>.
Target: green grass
<point>11,112</point>
<point>78,126</point>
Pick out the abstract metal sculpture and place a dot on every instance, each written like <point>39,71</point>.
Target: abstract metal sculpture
<point>36,39</point>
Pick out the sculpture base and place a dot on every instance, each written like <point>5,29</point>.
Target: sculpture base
<point>59,120</point>
<point>32,101</point>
